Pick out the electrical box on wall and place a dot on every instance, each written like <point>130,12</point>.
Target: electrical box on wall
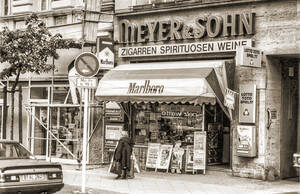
<point>246,145</point>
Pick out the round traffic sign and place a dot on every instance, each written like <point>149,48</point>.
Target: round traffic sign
<point>87,64</point>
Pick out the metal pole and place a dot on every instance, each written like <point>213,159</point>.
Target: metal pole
<point>85,126</point>
<point>20,115</point>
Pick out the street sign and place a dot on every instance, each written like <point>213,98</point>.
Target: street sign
<point>87,82</point>
<point>87,64</point>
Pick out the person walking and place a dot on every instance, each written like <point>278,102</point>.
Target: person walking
<point>123,156</point>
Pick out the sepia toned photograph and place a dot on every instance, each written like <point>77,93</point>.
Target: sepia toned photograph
<point>149,97</point>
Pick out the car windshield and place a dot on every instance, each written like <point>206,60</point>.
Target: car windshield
<point>9,150</point>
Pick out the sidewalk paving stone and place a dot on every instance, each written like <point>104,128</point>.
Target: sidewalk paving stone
<point>150,182</point>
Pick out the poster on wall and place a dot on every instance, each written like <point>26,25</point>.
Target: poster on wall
<point>246,141</point>
<point>164,157</point>
<point>247,103</point>
<point>113,132</point>
<point>199,150</point>
<point>248,56</point>
<point>152,155</point>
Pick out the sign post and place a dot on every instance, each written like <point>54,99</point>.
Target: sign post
<point>86,65</point>
<point>84,149</point>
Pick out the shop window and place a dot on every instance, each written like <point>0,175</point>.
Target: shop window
<point>60,20</point>
<point>167,123</point>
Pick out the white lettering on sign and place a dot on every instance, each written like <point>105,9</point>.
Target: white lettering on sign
<point>180,49</point>
<point>145,89</point>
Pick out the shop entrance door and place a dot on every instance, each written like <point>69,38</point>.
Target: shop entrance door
<point>288,134</point>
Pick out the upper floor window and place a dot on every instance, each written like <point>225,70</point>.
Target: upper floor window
<point>60,20</point>
<point>44,5</point>
<point>6,6</point>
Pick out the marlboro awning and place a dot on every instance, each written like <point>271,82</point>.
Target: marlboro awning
<point>195,82</point>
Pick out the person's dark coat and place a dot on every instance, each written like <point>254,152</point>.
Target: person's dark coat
<point>123,153</point>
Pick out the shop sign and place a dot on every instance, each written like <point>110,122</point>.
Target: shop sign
<point>106,56</point>
<point>187,48</point>
<point>248,56</point>
<point>247,103</point>
<point>199,150</point>
<point>246,141</point>
<point>146,88</point>
<point>229,99</point>
<point>211,26</point>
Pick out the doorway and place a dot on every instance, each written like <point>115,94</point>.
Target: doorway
<point>289,112</point>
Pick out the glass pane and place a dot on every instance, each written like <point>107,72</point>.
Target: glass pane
<point>6,7</point>
<point>66,128</point>
<point>60,20</point>
<point>44,4</point>
<point>40,132</point>
<point>60,94</point>
<point>38,93</point>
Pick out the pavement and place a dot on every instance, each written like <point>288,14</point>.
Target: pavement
<point>214,181</point>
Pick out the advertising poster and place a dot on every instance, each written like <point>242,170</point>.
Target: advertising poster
<point>152,155</point>
<point>113,132</point>
<point>247,103</point>
<point>177,156</point>
<point>199,150</point>
<point>164,157</point>
<point>106,55</point>
<point>189,163</point>
<point>246,141</point>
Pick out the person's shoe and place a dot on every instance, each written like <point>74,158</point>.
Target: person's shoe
<point>130,177</point>
<point>119,176</point>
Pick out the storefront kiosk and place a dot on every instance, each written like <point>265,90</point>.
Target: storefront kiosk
<point>171,106</point>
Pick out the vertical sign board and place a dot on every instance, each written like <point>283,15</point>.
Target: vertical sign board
<point>248,56</point>
<point>106,55</point>
<point>164,157</point>
<point>152,155</point>
<point>189,158</point>
<point>199,150</point>
<point>247,105</point>
<point>246,141</point>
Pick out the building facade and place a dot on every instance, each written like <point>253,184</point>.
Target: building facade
<point>259,136</point>
<point>52,109</point>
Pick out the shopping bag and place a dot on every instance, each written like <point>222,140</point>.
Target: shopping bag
<point>115,167</point>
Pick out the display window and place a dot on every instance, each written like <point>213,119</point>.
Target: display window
<point>167,123</point>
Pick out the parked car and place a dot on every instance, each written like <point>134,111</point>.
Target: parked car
<point>21,172</point>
